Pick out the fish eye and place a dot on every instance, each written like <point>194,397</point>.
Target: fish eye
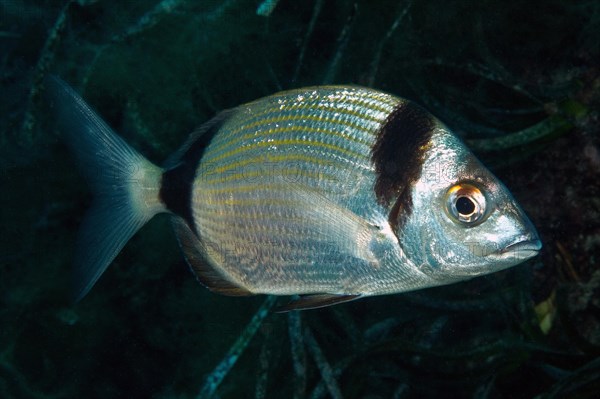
<point>466,204</point>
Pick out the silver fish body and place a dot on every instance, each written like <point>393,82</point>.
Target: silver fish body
<point>283,198</point>
<point>335,192</point>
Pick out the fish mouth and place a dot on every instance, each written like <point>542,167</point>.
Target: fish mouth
<point>520,250</point>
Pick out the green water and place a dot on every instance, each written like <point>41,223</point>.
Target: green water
<point>492,70</point>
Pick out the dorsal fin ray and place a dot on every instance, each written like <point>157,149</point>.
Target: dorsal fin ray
<point>199,137</point>
<point>194,254</point>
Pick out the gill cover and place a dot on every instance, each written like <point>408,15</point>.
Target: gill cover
<point>464,221</point>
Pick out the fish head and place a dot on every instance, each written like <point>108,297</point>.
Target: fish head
<point>463,221</point>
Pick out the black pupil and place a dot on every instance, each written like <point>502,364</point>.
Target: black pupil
<point>465,206</point>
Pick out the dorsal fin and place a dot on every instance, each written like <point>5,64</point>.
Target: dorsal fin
<point>316,301</point>
<point>199,138</point>
<point>205,273</point>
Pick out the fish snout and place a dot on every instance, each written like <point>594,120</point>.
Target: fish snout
<point>524,249</point>
<point>521,249</point>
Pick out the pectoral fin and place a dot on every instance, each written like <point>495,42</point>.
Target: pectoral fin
<point>346,232</point>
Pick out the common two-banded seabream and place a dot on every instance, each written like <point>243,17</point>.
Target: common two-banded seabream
<point>332,193</point>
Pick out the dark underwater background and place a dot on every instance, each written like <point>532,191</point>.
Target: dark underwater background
<point>519,81</point>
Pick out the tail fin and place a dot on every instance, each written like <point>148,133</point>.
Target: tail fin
<point>126,186</point>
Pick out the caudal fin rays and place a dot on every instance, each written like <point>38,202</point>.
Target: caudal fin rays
<point>125,185</point>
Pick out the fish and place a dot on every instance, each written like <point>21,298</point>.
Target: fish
<point>326,194</point>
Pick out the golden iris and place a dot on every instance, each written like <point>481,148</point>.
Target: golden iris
<point>466,204</point>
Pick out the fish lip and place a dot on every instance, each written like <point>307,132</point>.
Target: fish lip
<point>522,249</point>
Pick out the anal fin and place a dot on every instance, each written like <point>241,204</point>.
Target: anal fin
<point>205,273</point>
<point>316,301</point>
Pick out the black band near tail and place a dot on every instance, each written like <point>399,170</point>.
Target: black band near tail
<point>178,180</point>
<point>398,156</point>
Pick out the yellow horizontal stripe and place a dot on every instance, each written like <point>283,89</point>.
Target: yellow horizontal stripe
<point>287,238</point>
<point>243,229</point>
<point>218,225</point>
<point>364,100</point>
<point>259,202</point>
<point>274,109</point>
<point>258,217</point>
<point>285,142</point>
<point>317,108</point>
<point>247,188</point>
<point>266,223</point>
<point>265,159</point>
<point>283,172</point>
<point>287,118</point>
